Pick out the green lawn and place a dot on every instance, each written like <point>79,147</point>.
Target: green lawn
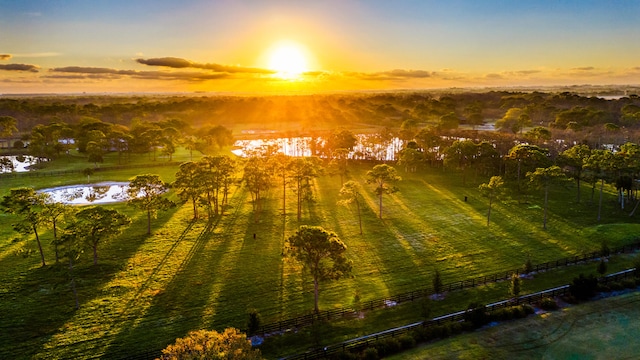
<point>148,290</point>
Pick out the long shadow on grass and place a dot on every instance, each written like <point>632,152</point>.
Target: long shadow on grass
<point>39,302</point>
<point>178,308</point>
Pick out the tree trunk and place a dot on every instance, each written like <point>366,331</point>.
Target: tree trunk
<point>95,253</point>
<point>489,211</point>
<point>35,231</point>
<point>148,222</point>
<point>600,201</point>
<point>73,282</point>
<point>316,293</point>
<point>359,215</point>
<point>546,198</point>
<point>578,183</point>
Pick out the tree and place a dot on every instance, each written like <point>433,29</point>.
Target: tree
<point>301,171</point>
<point>410,157</point>
<point>96,225</point>
<point>599,164</point>
<point>145,193</point>
<point>516,286</point>
<point>322,253</point>
<point>460,155</point>
<point>27,204</point>
<point>383,176</point>
<point>528,157</point>
<point>217,176</point>
<point>211,345</point>
<point>573,161</point>
<point>258,179</point>
<point>7,126</point>
<point>350,192</point>
<point>437,282</point>
<point>54,212</point>
<point>491,190</point>
<point>544,177</point>
<point>189,184</point>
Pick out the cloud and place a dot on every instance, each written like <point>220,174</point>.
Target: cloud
<point>584,68</point>
<point>37,55</point>
<point>108,73</point>
<point>396,74</point>
<point>179,63</point>
<point>5,56</point>
<point>494,76</point>
<point>19,67</point>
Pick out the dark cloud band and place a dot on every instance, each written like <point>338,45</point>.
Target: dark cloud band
<point>179,63</point>
<point>19,67</point>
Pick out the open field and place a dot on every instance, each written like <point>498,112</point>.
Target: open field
<point>148,290</point>
<point>595,330</point>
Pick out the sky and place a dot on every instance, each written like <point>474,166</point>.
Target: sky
<point>104,46</point>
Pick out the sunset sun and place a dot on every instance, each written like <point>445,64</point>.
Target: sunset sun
<point>288,60</point>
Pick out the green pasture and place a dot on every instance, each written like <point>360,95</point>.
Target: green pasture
<point>148,290</point>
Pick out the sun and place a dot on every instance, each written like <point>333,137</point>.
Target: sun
<point>288,60</point>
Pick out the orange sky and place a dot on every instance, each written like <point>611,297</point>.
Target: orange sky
<point>226,46</point>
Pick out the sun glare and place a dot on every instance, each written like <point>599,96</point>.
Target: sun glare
<point>288,60</point>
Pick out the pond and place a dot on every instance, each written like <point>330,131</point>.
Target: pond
<point>99,193</point>
<point>20,163</point>
<point>366,148</point>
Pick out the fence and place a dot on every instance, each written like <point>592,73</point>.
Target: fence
<point>365,341</point>
<point>309,319</point>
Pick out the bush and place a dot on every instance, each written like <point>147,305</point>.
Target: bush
<point>388,346</point>
<point>602,267</point>
<point>583,288</point>
<point>476,314</point>
<point>407,341</point>
<point>548,304</point>
<point>604,249</point>
<point>616,286</point>
<point>629,283</point>
<point>370,353</point>
<point>254,322</point>
<point>528,309</point>
<point>528,266</point>
<point>345,355</point>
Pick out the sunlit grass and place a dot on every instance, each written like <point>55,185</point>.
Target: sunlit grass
<point>148,290</point>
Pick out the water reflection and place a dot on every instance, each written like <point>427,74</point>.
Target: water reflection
<point>18,163</point>
<point>369,147</point>
<point>99,193</point>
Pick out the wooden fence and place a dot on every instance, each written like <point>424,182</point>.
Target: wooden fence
<point>367,340</point>
<point>309,319</point>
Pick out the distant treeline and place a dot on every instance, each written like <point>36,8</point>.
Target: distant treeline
<point>512,110</point>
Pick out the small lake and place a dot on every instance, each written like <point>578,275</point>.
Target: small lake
<point>20,163</point>
<point>99,193</point>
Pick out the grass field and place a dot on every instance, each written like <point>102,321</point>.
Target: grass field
<point>148,290</point>
<point>602,329</point>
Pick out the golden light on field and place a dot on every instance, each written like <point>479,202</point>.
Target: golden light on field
<point>288,59</point>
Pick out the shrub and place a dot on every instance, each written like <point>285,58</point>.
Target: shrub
<point>370,353</point>
<point>345,355</point>
<point>437,282</point>
<point>528,309</point>
<point>407,341</point>
<point>528,266</point>
<point>602,267</point>
<point>476,314</point>
<point>629,283</point>
<point>616,286</point>
<point>604,249</point>
<point>388,346</point>
<point>254,322</point>
<point>583,288</point>
<point>548,304</point>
